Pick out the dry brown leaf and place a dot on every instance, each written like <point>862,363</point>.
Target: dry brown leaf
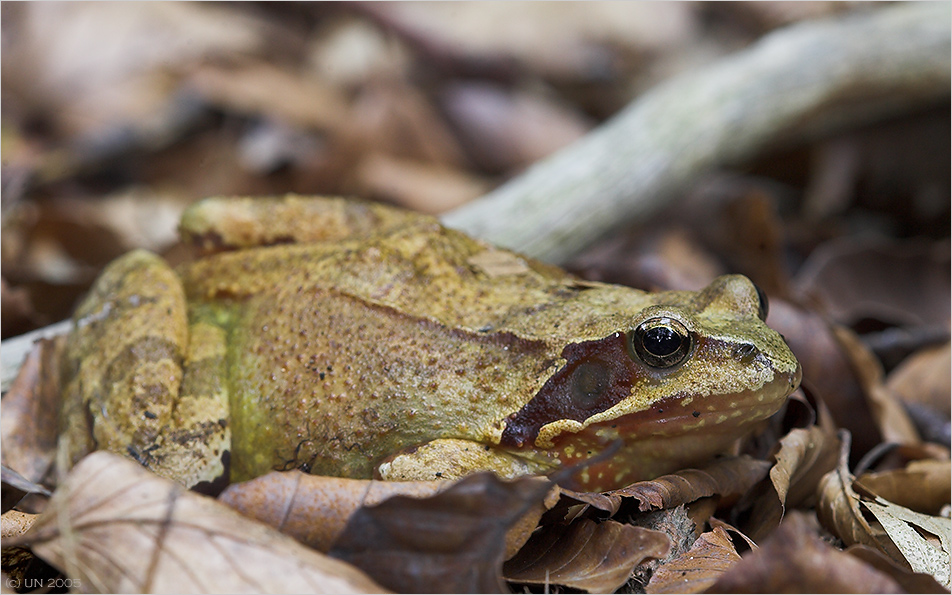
<point>133,218</point>
<point>923,485</point>
<point>18,491</point>
<point>508,130</point>
<point>726,477</point>
<point>826,370</point>
<point>452,542</point>
<point>16,309</point>
<point>697,569</point>
<point>906,528</point>
<point>804,456</point>
<point>655,259</point>
<point>838,507</point>
<point>899,283</point>
<point>701,512</point>
<point>97,69</point>
<point>424,187</point>
<point>258,88</point>
<point>314,509</point>
<point>795,560</point>
<point>28,417</point>
<point>117,527</point>
<point>399,120</point>
<point>737,219</point>
<point>584,31</point>
<point>593,557</point>
<point>893,421</point>
<point>925,378</point>
<point>912,582</point>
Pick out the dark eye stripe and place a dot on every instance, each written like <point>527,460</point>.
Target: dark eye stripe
<point>597,375</point>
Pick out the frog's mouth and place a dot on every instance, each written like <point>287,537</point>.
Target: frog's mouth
<point>679,431</point>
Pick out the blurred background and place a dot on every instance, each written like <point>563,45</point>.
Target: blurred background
<point>117,115</point>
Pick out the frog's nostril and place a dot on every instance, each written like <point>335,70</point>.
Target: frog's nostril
<point>745,352</point>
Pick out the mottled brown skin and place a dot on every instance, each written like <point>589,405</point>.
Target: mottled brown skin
<point>359,340</point>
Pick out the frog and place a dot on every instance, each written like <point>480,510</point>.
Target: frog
<point>356,339</point>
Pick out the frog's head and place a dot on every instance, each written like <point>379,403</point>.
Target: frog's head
<point>679,381</point>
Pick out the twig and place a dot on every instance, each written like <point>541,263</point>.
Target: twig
<point>793,84</point>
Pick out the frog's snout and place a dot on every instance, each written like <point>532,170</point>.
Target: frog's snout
<point>794,379</point>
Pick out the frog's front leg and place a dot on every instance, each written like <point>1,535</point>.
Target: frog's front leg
<point>451,458</point>
<point>139,382</point>
<point>231,223</point>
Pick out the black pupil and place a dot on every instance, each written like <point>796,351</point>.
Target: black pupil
<point>661,341</point>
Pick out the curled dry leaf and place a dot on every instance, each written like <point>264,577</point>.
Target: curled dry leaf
<point>912,582</point>
<point>906,527</point>
<point>923,485</point>
<point>899,283</point>
<point>738,218</point>
<point>18,489</point>
<point>893,421</point>
<point>593,557</point>
<point>925,378</point>
<point>726,477</point>
<point>795,560</point>
<point>28,417</point>
<point>698,568</point>
<point>838,507</point>
<point>314,509</point>
<point>119,528</point>
<point>804,456</point>
<point>452,542</point>
<point>826,370</point>
<point>88,234</point>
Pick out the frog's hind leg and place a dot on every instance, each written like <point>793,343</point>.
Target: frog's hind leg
<point>124,385</point>
<point>231,223</point>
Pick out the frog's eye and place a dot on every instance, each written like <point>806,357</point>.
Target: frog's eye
<point>660,342</point>
<point>763,306</point>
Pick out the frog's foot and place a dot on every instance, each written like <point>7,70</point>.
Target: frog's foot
<point>232,223</point>
<point>451,458</point>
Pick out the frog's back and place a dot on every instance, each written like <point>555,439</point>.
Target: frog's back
<point>388,337</point>
<point>388,257</point>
